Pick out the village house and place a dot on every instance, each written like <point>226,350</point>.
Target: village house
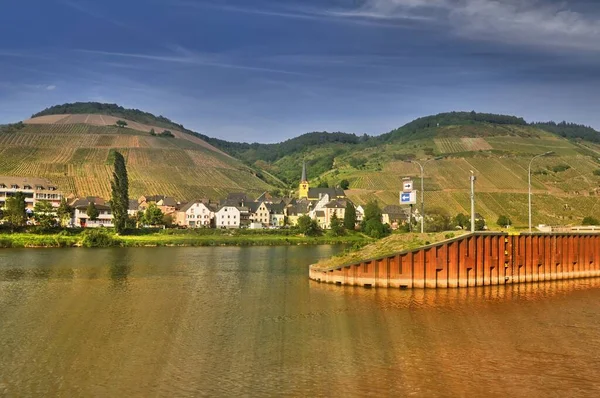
<point>296,209</point>
<point>34,189</point>
<point>80,217</point>
<point>244,216</point>
<point>317,211</point>
<point>166,204</point>
<point>228,217</point>
<point>277,214</point>
<point>236,199</point>
<point>195,214</point>
<point>395,215</point>
<point>360,214</point>
<point>259,213</point>
<point>133,208</point>
<point>337,207</point>
<point>268,198</point>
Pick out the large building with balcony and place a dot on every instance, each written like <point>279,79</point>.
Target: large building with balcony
<point>34,189</point>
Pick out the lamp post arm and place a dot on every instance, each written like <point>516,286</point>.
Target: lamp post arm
<point>529,183</point>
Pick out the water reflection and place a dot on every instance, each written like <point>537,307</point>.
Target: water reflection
<point>479,296</point>
<point>247,321</point>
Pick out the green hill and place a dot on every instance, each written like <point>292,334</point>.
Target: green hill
<point>497,148</point>
<point>78,158</point>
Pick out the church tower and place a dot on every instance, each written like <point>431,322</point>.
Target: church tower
<point>303,188</point>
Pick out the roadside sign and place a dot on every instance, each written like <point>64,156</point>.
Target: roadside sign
<point>407,186</point>
<point>408,198</point>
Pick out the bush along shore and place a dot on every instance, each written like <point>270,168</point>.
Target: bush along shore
<point>37,238</point>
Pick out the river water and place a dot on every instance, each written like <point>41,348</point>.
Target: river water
<point>248,322</point>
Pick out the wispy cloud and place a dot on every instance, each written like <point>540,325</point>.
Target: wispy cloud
<point>51,87</point>
<point>91,10</point>
<point>548,23</point>
<point>186,57</point>
<point>303,12</point>
<point>545,23</point>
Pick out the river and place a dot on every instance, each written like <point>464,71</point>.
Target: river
<point>232,321</point>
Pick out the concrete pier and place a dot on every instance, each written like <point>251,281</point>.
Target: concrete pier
<point>478,259</point>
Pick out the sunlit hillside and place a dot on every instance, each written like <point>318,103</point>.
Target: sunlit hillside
<point>565,184</point>
<point>72,144</point>
<point>77,157</point>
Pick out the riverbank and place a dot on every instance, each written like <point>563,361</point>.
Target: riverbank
<point>107,238</point>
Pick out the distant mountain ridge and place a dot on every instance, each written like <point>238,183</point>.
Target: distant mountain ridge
<point>564,129</point>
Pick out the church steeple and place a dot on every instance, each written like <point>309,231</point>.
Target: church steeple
<point>303,187</point>
<point>303,172</point>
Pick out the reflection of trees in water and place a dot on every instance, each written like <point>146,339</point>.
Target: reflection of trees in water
<point>119,271</point>
<point>120,266</point>
<point>13,274</point>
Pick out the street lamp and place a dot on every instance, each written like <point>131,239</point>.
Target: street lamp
<point>422,166</point>
<point>529,182</point>
<point>472,180</point>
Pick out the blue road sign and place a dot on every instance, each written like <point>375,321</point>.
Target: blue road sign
<point>408,198</point>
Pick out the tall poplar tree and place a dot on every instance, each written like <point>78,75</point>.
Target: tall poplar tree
<point>350,217</point>
<point>120,193</point>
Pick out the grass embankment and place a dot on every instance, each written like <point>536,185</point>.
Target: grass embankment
<point>107,238</point>
<point>395,243</point>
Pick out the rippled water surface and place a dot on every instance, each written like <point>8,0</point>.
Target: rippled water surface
<point>248,322</point>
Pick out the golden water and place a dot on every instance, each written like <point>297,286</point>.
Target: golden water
<point>248,322</point>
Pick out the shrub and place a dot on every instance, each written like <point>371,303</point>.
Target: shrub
<point>561,167</point>
<point>589,220</point>
<point>97,238</point>
<point>308,226</point>
<point>504,221</point>
<point>357,162</point>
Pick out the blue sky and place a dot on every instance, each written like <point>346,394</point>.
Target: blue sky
<point>268,70</point>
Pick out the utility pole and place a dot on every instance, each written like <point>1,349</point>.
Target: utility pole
<point>529,182</point>
<point>472,178</point>
<point>422,167</point>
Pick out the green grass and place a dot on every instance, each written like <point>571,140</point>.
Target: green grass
<point>178,238</point>
<point>395,243</point>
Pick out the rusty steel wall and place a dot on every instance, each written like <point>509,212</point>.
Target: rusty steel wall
<point>476,260</point>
